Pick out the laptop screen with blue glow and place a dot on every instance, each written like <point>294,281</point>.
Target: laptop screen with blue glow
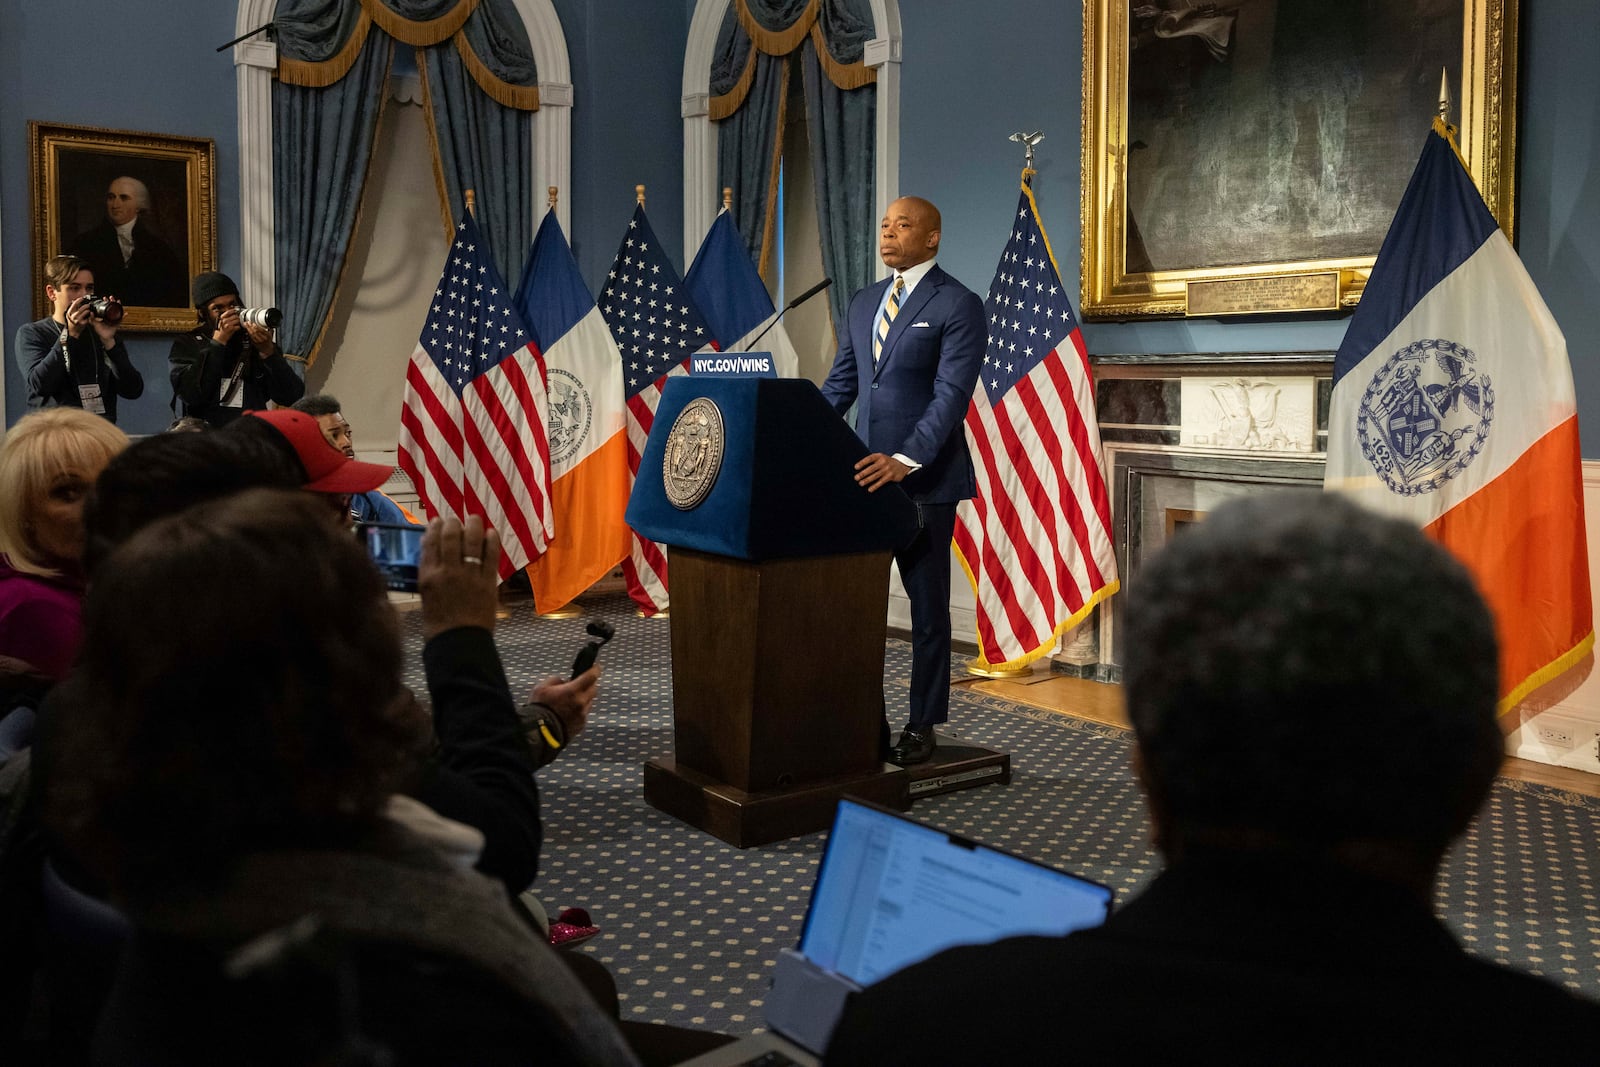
<point>891,891</point>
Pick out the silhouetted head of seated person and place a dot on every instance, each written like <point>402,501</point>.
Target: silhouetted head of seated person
<point>161,475</point>
<point>228,765</point>
<point>1303,675</point>
<point>1312,689</point>
<point>289,687</point>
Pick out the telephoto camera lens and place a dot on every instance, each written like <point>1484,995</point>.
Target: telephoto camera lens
<point>107,309</point>
<point>268,317</point>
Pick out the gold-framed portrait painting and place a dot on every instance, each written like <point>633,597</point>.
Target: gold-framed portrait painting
<point>139,208</point>
<point>1247,156</point>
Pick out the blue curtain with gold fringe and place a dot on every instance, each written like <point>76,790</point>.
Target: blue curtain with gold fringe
<point>757,46</point>
<point>333,65</point>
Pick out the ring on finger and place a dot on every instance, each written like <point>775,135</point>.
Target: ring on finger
<point>474,560</point>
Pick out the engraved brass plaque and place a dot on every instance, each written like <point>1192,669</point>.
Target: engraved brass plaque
<point>1263,295</point>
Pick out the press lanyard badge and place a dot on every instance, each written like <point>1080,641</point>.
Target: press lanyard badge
<point>89,397</point>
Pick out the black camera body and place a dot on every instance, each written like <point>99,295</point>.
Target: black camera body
<point>107,309</point>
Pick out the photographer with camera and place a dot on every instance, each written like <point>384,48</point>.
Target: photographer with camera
<point>230,363</point>
<point>74,358</point>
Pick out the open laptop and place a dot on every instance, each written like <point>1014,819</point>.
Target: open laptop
<point>891,891</point>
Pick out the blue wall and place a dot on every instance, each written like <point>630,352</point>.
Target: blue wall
<point>627,130</point>
<point>88,63</point>
<point>1024,60</point>
<point>1558,183</point>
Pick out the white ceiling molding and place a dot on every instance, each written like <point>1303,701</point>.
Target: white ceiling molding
<point>701,197</point>
<point>255,61</point>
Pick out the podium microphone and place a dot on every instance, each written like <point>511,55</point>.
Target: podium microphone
<point>796,302</point>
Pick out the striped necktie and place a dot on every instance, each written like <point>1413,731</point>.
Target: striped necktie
<point>890,310</point>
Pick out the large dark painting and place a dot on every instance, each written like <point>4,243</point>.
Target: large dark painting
<point>1249,138</point>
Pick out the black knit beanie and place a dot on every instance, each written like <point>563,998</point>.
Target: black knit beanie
<point>212,284</point>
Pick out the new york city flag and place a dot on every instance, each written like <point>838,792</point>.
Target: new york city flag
<point>1453,406</point>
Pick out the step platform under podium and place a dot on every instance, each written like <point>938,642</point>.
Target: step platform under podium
<point>958,764</point>
<point>746,819</point>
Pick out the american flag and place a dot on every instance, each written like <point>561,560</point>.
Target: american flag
<point>656,327</point>
<point>473,429</point>
<point>1036,540</point>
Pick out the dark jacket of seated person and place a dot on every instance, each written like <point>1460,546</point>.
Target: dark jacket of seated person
<point>258,843</point>
<point>1309,746</point>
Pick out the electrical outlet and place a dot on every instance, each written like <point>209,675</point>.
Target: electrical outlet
<point>1554,736</point>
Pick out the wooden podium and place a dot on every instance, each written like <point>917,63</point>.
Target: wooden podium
<point>779,584</point>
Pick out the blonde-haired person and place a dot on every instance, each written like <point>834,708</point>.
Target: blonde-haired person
<point>48,463</point>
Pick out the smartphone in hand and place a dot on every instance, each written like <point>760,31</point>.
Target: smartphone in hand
<point>395,549</point>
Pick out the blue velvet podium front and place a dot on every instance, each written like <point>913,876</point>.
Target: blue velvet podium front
<point>779,587</point>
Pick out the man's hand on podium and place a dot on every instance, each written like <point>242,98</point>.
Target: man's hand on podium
<point>878,470</point>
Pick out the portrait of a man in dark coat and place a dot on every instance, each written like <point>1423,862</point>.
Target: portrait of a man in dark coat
<point>130,259</point>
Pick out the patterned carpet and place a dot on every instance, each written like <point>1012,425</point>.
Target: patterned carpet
<point>691,926</point>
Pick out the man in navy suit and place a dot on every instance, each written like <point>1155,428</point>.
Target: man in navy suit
<point>909,361</point>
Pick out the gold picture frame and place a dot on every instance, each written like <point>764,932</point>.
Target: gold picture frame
<point>1266,187</point>
<point>73,169</point>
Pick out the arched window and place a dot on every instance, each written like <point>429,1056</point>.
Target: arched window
<point>773,96</point>
<point>255,61</point>
<point>374,404</point>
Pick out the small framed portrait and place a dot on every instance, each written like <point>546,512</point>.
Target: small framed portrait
<point>1245,157</point>
<point>139,208</point>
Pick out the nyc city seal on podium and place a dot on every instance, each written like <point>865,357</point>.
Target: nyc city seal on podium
<point>1425,415</point>
<point>693,455</point>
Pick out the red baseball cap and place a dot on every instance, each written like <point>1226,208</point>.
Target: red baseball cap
<point>328,470</point>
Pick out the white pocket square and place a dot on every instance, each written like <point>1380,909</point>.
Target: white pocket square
<point>919,325</point>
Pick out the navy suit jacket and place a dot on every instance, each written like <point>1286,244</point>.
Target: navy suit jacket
<point>915,399</point>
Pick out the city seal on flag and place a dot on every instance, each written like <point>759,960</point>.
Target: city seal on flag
<point>693,455</point>
<point>571,413</point>
<point>1425,415</point>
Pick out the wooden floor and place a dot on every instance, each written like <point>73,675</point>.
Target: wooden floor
<point>1102,703</point>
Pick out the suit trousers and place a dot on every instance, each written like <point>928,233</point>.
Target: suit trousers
<point>925,572</point>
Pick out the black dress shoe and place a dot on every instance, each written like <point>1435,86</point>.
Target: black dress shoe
<point>914,746</point>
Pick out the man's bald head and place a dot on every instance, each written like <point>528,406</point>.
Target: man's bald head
<point>909,233</point>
